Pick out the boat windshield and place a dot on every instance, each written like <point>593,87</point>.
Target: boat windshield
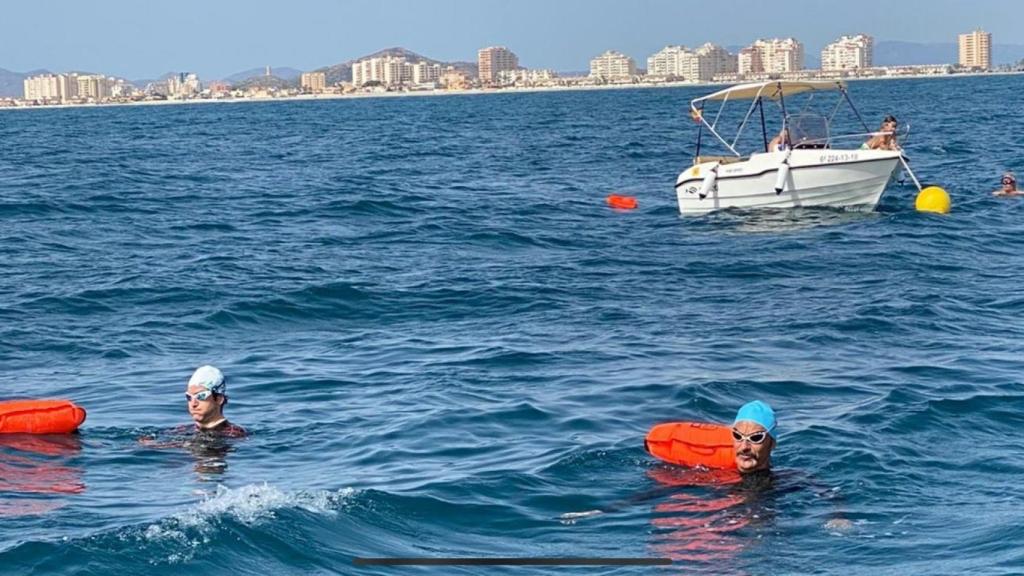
<point>808,131</point>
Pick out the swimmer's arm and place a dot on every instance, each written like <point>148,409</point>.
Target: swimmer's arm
<point>152,441</point>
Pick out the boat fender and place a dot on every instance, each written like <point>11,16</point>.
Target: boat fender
<point>783,175</point>
<point>692,444</point>
<point>710,182</point>
<point>40,417</point>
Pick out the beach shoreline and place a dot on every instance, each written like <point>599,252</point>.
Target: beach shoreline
<point>474,92</point>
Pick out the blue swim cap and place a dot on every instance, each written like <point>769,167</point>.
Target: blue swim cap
<point>759,413</point>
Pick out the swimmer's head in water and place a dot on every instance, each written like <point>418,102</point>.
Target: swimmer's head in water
<point>206,395</point>
<point>753,436</point>
<point>1009,179</point>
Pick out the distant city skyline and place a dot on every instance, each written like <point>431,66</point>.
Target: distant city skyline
<point>215,40</point>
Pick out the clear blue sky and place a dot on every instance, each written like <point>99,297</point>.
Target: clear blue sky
<point>215,38</point>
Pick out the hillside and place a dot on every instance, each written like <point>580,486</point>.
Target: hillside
<point>343,72</point>
<point>12,84</point>
<point>283,72</point>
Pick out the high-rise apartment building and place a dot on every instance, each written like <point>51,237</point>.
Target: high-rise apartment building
<point>670,61</point>
<point>389,71</point>
<point>613,66</point>
<point>44,88</point>
<point>315,82</point>
<point>775,56</point>
<point>369,70</point>
<point>397,72</point>
<point>183,85</point>
<point>848,53</point>
<point>493,60</point>
<point>425,73</point>
<point>714,60</point>
<point>700,65</point>
<point>66,87</point>
<point>749,61</point>
<point>976,50</point>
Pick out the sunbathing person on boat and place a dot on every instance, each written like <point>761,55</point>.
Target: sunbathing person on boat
<point>887,139</point>
<point>780,143</point>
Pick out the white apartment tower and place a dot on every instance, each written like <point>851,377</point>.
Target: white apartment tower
<point>44,88</point>
<point>494,59</point>
<point>369,70</point>
<point>65,87</point>
<point>715,60</point>
<point>848,53</point>
<point>397,72</point>
<point>775,56</point>
<point>669,61</point>
<point>425,73</point>
<point>613,66</point>
<point>700,65</point>
<point>976,50</point>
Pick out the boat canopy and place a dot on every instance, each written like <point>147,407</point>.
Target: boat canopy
<point>772,90</point>
<point>776,91</point>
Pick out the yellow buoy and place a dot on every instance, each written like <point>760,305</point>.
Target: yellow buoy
<point>933,199</point>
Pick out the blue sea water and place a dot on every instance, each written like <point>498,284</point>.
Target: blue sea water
<point>444,343</point>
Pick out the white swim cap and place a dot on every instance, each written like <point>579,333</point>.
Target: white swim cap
<point>210,378</point>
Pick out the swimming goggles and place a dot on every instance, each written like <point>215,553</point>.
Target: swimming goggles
<point>200,396</point>
<point>755,438</point>
<point>1008,181</point>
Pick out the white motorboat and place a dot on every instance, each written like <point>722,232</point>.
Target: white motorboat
<point>811,167</point>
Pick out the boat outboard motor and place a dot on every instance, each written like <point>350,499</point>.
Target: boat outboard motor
<point>780,180</point>
<point>710,182</point>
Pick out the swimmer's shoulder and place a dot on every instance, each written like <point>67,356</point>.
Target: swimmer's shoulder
<point>232,430</point>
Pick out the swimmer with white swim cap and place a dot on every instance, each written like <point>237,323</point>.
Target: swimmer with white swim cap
<point>207,395</point>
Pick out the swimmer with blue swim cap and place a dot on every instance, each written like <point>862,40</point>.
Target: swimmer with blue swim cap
<point>753,437</point>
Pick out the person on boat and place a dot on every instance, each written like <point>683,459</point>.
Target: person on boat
<point>886,140</point>
<point>207,396</point>
<point>781,142</point>
<point>753,437</point>
<point>1009,183</point>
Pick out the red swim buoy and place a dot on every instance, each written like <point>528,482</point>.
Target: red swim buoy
<point>40,417</point>
<point>692,444</point>
<point>622,202</point>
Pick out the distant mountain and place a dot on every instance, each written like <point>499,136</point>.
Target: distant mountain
<point>1007,53</point>
<point>283,72</point>
<point>12,84</point>
<point>343,72</point>
<point>263,81</point>
<point>145,82</point>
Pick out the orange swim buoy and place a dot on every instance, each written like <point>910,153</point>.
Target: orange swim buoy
<point>622,202</point>
<point>692,444</point>
<point>40,417</point>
